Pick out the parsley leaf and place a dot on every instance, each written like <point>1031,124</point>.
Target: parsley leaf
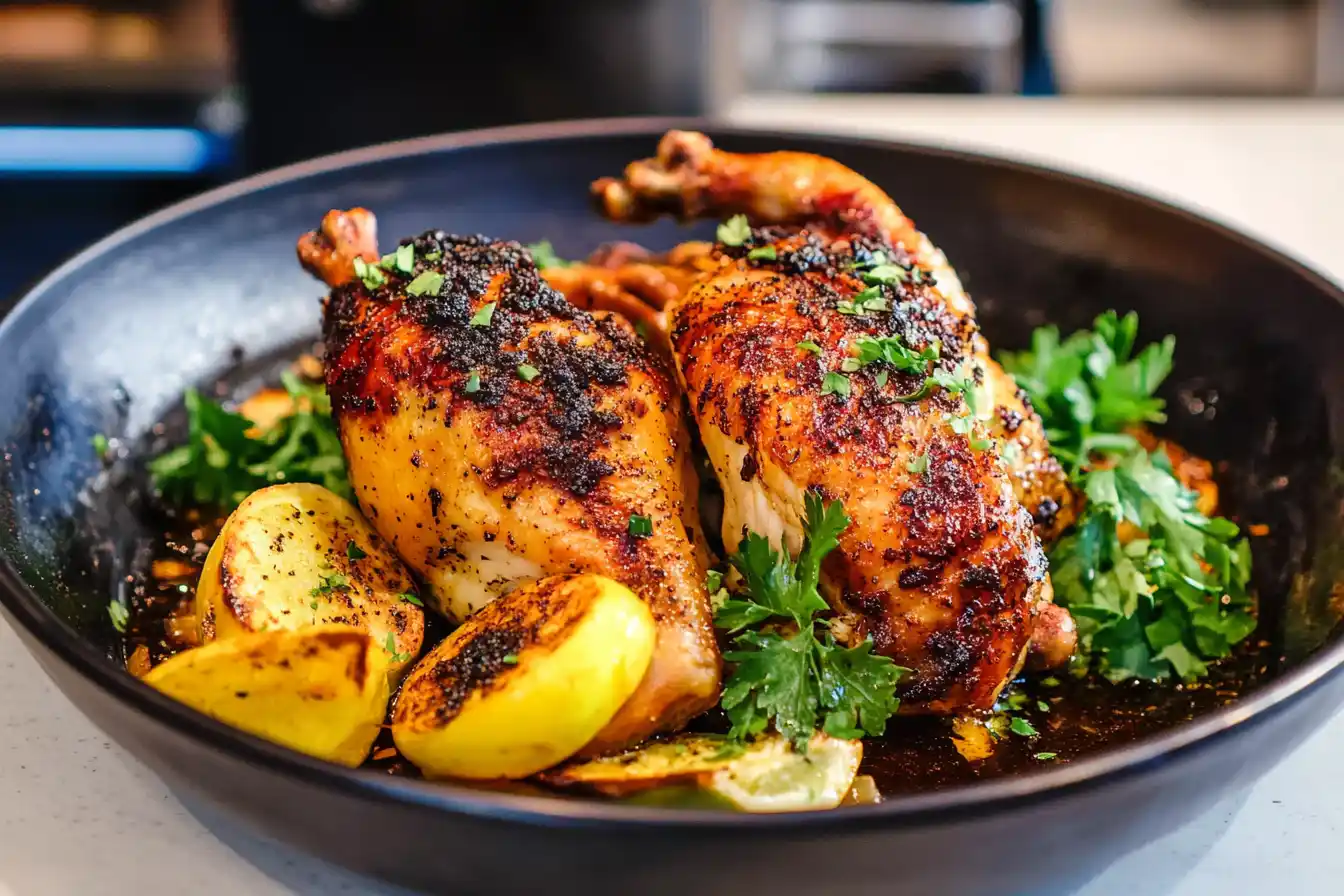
<point>426,283</point>
<point>1090,387</point>
<point>640,526</point>
<point>808,345</point>
<point>369,274</point>
<point>862,302</point>
<point>544,256</point>
<point>894,351</point>
<point>354,551</point>
<point>390,645</point>
<point>919,464</point>
<point>225,459</point>
<point>331,583</point>
<point>762,253</point>
<point>403,260</point>
<point>483,317</point>
<point>527,373</point>
<point>1022,727</point>
<point>785,674</point>
<point>473,383</point>
<point>835,384</point>
<point>735,231</point>
<point>1173,598</point>
<point>120,616</point>
<point>410,597</point>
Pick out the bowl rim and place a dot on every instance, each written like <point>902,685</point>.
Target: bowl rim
<point>1016,791</point>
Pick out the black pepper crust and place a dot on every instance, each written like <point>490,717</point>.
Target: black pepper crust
<point>939,567</point>
<point>383,339</point>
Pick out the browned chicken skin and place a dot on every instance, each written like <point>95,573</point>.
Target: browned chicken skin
<point>941,565</point>
<point>482,478</point>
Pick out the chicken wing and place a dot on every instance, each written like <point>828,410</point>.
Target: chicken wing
<point>495,434</point>
<point>941,565</point>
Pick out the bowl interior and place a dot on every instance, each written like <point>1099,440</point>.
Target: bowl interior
<point>107,344</point>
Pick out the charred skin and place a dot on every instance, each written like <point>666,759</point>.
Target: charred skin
<point>482,480</point>
<point>689,178</point>
<point>942,567</point>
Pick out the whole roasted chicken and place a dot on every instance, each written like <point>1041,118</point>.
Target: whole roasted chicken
<point>495,433</point>
<point>832,349</point>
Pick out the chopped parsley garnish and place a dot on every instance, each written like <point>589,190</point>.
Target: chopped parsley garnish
<point>808,345</point>
<point>763,253</point>
<point>509,659</point>
<point>372,277</point>
<point>330,584</point>
<point>863,302</point>
<point>426,283</point>
<point>473,383</point>
<point>403,260</point>
<point>884,275</point>
<point>894,351</point>
<point>640,526</point>
<point>1170,599</point>
<point>1022,727</point>
<point>390,645</point>
<point>100,444</point>
<point>835,384</point>
<point>120,616</point>
<point>544,256</point>
<point>354,551</point>
<point>410,597</point>
<point>224,460</point>
<point>735,231</point>
<point>920,464</point>
<point>1044,757</point>
<point>483,317</point>
<point>527,373</point>
<point>795,676</point>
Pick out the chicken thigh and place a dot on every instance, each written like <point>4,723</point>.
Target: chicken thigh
<point>777,348</point>
<point>495,434</point>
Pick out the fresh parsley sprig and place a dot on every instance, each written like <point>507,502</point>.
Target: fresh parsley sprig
<point>788,668</point>
<point>1091,387</point>
<point>1171,600</point>
<point>543,254</point>
<point>224,459</point>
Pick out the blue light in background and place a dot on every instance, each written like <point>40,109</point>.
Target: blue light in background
<point>126,150</point>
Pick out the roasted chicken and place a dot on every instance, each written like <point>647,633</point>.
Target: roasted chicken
<point>942,565</point>
<point>495,433</point>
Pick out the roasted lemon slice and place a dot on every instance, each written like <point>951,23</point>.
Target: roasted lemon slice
<point>527,681</point>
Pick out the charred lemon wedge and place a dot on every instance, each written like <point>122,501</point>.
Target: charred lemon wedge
<point>527,681</point>
<point>321,690</point>
<point>297,555</point>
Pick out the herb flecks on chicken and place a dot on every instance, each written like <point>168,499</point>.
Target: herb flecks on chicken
<point>495,433</point>
<point>942,566</point>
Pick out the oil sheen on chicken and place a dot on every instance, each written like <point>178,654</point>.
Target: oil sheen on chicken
<point>495,434</point>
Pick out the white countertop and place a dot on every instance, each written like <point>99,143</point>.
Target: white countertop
<point>78,815</point>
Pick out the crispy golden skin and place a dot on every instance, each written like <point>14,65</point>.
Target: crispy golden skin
<point>942,565</point>
<point>482,480</point>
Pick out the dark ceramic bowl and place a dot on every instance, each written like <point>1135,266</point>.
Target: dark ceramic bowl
<point>107,343</point>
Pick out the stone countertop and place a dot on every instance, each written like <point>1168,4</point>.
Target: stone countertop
<point>79,815</point>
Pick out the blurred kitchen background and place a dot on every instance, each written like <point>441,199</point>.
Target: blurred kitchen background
<point>111,109</point>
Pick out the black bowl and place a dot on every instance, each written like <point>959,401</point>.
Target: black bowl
<point>107,343</point>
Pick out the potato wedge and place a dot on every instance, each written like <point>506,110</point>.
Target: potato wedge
<point>297,555</point>
<point>321,690</point>
<point>766,775</point>
<point>527,681</point>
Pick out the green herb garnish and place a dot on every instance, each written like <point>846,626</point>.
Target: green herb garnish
<point>354,551</point>
<point>509,659</point>
<point>330,584</point>
<point>473,383</point>
<point>426,283</point>
<point>410,597</point>
<point>1044,757</point>
<point>640,526</point>
<point>763,253</point>
<point>808,345</point>
<point>527,373</point>
<point>543,255</point>
<point>100,444</point>
<point>884,275</point>
<point>120,616</point>
<point>372,277</point>
<point>483,317</point>
<point>390,645</point>
<point>224,461</point>
<point>799,680</point>
<point>920,464</point>
<point>863,302</point>
<point>403,260</point>
<point>1022,727</point>
<point>735,231</point>
<point>1171,600</point>
<point>835,384</point>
